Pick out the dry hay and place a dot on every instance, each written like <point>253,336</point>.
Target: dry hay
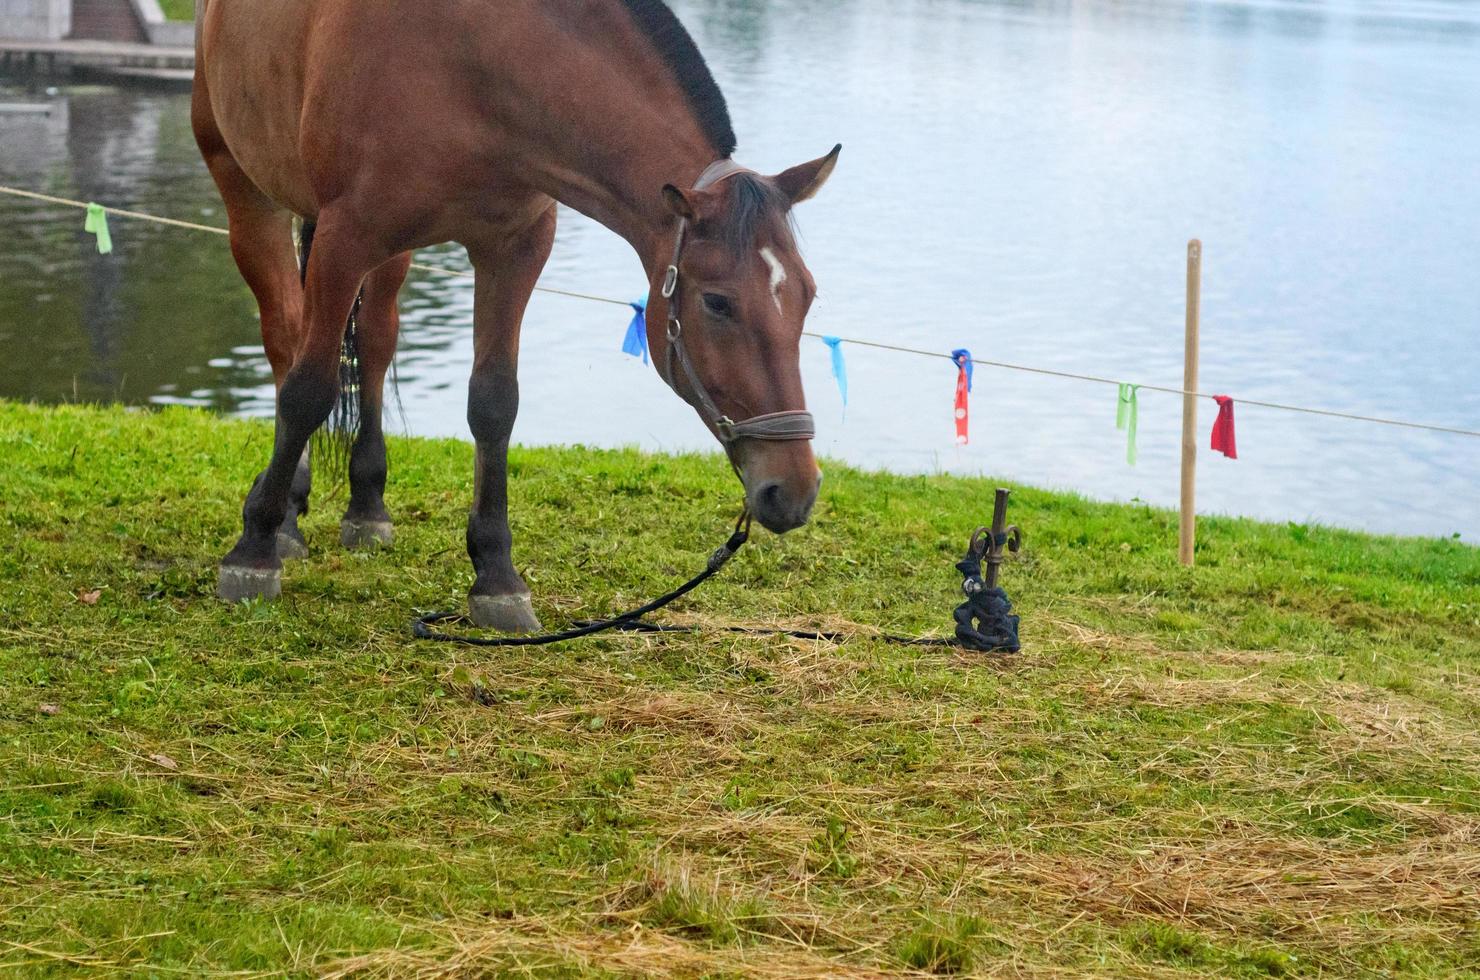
<point>1229,884</point>
<point>540,946</point>
<point>1365,717</point>
<point>1089,638</point>
<point>1234,881</point>
<point>688,713</point>
<point>1228,889</point>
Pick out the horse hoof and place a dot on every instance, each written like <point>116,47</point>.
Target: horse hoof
<point>366,535</point>
<point>289,546</point>
<point>238,584</point>
<point>505,613</point>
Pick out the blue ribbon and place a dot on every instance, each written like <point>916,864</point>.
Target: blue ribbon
<point>839,369</point>
<point>636,340</point>
<point>962,357</point>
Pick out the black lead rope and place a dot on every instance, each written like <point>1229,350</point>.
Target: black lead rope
<point>422,628</point>
<point>632,621</point>
<point>642,626</point>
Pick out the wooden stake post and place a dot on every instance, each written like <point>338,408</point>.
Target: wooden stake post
<point>1188,536</point>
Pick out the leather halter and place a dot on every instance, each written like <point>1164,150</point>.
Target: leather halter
<point>772,427</point>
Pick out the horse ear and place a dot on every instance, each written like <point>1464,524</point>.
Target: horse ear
<point>801,182</point>
<point>679,203</point>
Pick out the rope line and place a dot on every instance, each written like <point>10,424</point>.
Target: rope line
<point>214,230</point>
<point>1004,365</point>
<point>1162,388</point>
<point>141,216</point>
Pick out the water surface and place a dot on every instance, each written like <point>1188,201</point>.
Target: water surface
<point>1018,178</point>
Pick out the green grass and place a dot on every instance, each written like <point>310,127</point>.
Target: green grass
<point>1266,765</point>
<point>178,9</point>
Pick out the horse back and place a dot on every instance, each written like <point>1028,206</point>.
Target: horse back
<point>421,116</point>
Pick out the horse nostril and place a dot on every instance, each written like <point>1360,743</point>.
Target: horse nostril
<point>776,508</point>
<point>769,497</point>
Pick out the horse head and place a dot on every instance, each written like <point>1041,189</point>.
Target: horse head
<point>738,294</point>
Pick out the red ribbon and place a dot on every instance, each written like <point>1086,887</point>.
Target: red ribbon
<point>1223,440</point>
<point>963,390</point>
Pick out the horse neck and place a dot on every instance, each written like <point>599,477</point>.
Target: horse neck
<point>624,192</point>
<point>609,152</point>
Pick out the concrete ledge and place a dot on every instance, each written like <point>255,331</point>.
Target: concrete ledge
<point>36,20</point>
<point>172,33</point>
<point>108,61</point>
<point>161,30</point>
<point>109,53</point>
<point>178,79</point>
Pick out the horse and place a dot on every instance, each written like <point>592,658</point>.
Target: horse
<point>385,131</point>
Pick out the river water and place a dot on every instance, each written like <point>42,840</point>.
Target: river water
<point>1019,178</point>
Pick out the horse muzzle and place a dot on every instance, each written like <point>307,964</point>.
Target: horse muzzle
<point>781,483</point>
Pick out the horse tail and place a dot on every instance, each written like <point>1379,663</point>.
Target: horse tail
<point>334,442</point>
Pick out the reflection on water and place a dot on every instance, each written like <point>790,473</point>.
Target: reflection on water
<point>165,317</point>
<point>1019,178</point>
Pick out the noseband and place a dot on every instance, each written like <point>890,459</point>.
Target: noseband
<point>773,427</point>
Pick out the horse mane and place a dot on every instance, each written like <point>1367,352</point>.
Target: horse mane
<point>755,201</point>
<point>677,48</point>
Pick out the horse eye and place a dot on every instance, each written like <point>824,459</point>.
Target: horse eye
<point>718,305</point>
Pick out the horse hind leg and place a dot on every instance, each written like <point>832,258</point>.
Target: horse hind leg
<point>262,245</point>
<point>366,523</point>
<point>340,261</point>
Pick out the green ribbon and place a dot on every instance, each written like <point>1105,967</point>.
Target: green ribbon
<point>97,224</point>
<point>1126,411</point>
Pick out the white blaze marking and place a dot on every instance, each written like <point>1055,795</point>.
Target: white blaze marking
<point>778,275</point>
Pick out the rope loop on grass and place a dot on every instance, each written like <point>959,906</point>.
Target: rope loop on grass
<point>632,621</point>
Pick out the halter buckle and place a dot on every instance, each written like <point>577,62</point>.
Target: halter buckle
<point>726,428</point>
<point>670,281</point>
<point>674,329</point>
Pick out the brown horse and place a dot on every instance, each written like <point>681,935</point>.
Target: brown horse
<point>390,126</point>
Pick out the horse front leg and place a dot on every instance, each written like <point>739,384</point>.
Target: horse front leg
<point>506,277</point>
<point>337,265</point>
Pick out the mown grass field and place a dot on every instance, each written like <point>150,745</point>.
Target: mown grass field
<point>1267,765</point>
